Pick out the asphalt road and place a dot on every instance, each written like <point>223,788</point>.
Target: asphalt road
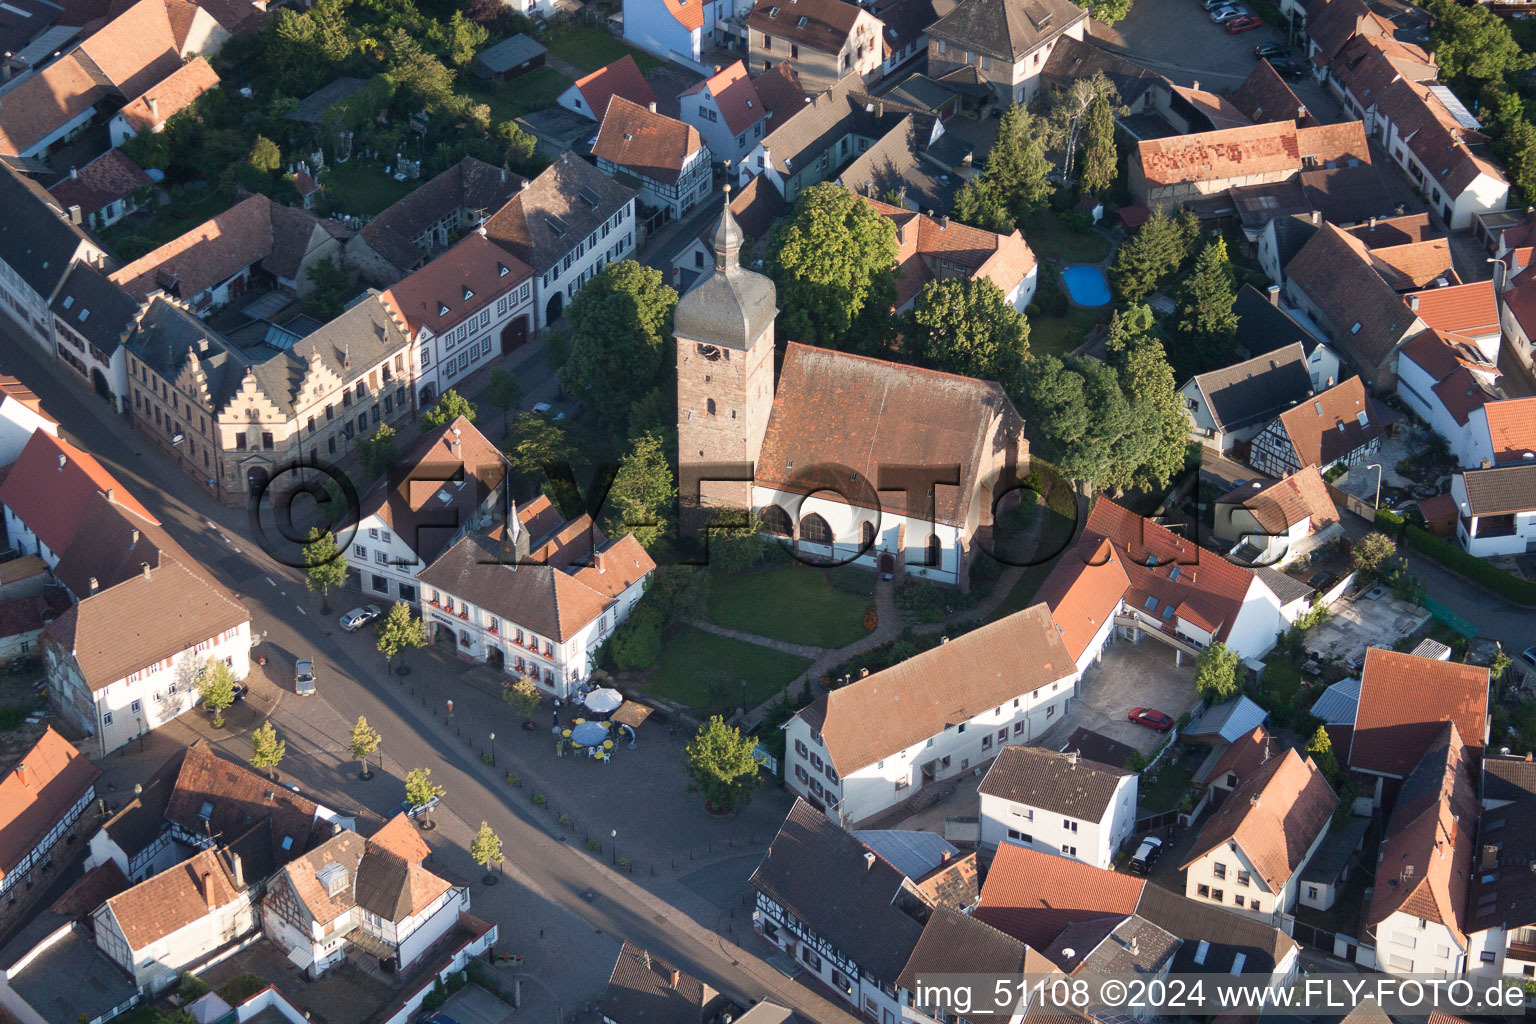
<point>576,894</point>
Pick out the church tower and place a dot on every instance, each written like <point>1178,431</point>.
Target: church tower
<point>724,331</point>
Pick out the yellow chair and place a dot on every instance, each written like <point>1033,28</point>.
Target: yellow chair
<point>566,733</point>
<point>607,744</point>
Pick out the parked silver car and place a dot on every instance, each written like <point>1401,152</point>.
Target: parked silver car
<point>304,677</point>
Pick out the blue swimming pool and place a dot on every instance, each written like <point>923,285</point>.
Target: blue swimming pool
<point>1086,285</point>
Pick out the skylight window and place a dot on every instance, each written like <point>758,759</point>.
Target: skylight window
<point>1173,573</point>
<point>468,293</point>
<point>1151,604</point>
<point>773,12</point>
<point>69,300</point>
<point>801,22</point>
<point>442,310</point>
<point>83,314</point>
<point>205,811</point>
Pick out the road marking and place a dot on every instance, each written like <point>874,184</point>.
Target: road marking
<point>301,610</point>
<point>270,580</point>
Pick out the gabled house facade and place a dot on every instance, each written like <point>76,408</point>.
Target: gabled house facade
<point>727,111</point>
<point>823,40</point>
<point>1497,509</point>
<point>91,321</point>
<point>167,98</point>
<point>1445,379</point>
<point>42,799</point>
<point>1275,525</point>
<point>105,190</point>
<point>932,248</point>
<point>38,246</point>
<point>1340,427</point>
<point>1059,803</point>
<point>1004,44</point>
<point>808,143</point>
<point>665,159</point>
<point>1232,404</point>
<point>589,95</point>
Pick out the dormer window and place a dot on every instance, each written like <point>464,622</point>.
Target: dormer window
<point>442,310</point>
<point>206,811</point>
<point>501,270</point>
<point>801,22</point>
<point>468,293</point>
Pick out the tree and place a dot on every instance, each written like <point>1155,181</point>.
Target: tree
<point>735,542</point>
<point>1474,44</point>
<point>832,260</point>
<point>266,749</point>
<point>400,630</point>
<point>523,695</point>
<point>450,406</point>
<point>379,451</point>
<point>722,765</point>
<point>676,593</point>
<point>1216,673</point>
<point>1066,127</point>
<point>1101,158</point>
<point>1320,750</point>
<point>981,204</point>
<point>1373,554</point>
<point>216,689</point>
<point>265,156</point>
<point>1157,408</point>
<point>1109,11</point>
<point>522,147</point>
<point>461,39</point>
<point>1152,255</point>
<point>331,284</point>
<point>324,567</point>
<point>535,441</point>
<point>1206,324</point>
<point>1517,148</point>
<point>503,391</point>
<point>643,492</point>
<point>1085,425</point>
<point>636,645</point>
<point>1017,165</point>
<point>620,324</point>
<point>362,744</point>
<point>485,849</point>
<point>965,325</point>
<point>417,72</point>
<point>420,790</point>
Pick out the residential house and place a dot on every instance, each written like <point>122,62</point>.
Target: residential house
<point>136,841</point>
<point>1261,839</point>
<point>932,248</point>
<point>681,30</point>
<point>643,988</point>
<point>231,416</point>
<point>1084,595</point>
<point>953,942</point>
<point>1469,311</point>
<point>589,95</point>
<point>1265,97</point>
<point>52,107</point>
<point>566,224</point>
<point>1233,404</point>
<point>1334,867</point>
<point>1448,382</point>
<point>405,235</point>
<point>350,895</point>
<point>1419,913</point>
<point>254,242</point>
<point>31,992</point>
<point>843,912</point>
<point>92,318</point>
<point>1028,790</point>
<point>1264,327</point>
<point>1511,430</point>
<point>21,416</point>
<point>462,311</point>
<point>174,921</point>
<point>1340,427</point>
<point>727,111</point>
<point>1498,509</point>
<point>22,620</point>
<point>809,143</point>
<point>780,91</point>
<point>824,41</point>
<point>905,31</point>
<point>448,482</point>
<point>42,799</point>
<point>1404,701</point>
<point>874,742</point>
<point>163,101</point>
<point>1502,904</point>
<point>38,245</point>
<point>1003,43</point>
<point>1114,945</point>
<point>535,605</point>
<point>1275,525</point>
<point>104,191</point>
<point>664,159</point>
<point>1167,172</point>
<point>916,161</point>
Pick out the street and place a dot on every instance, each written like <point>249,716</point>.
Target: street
<point>566,911</point>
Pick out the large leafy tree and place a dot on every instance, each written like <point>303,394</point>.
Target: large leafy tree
<point>535,441</point>
<point>643,492</point>
<point>400,631</point>
<point>1152,255</point>
<point>485,849</point>
<point>1517,148</point>
<point>1101,159</point>
<point>1017,165</point>
<point>982,204</point>
<point>1206,324</point>
<point>621,321</point>
<point>503,391</point>
<point>1084,424</point>
<point>324,567</point>
<point>379,450</point>
<point>450,406</point>
<point>1066,126</point>
<point>1216,673</point>
<point>420,790</point>
<point>1473,44</point>
<point>966,326</point>
<point>721,764</point>
<point>419,74</point>
<point>832,259</point>
<point>460,39</point>
<point>1150,386</point>
<point>330,287</point>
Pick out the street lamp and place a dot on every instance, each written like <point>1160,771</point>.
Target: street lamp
<point>493,749</point>
<point>1377,467</point>
<point>1499,285</point>
<point>613,846</point>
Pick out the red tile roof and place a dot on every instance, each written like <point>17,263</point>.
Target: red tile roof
<point>456,285</point>
<point>1033,896</point>
<point>1274,816</point>
<point>37,792</point>
<point>13,390</point>
<point>922,241</point>
<point>621,78</point>
<point>136,49</point>
<point>781,93</point>
<point>1438,354</point>
<point>1299,496</point>
<point>689,13</point>
<point>173,899</point>
<point>51,485</point>
<point>1313,425</point>
<point>1512,428</point>
<point>735,95</point>
<point>106,179</point>
<point>1470,309</point>
<point>1461,392</point>
<point>400,837</point>
<point>45,103</point>
<point>1257,149</point>
<point>644,142</point>
<point>172,95</point>
<point>1404,701</point>
<point>1415,264</point>
<point>1083,594</point>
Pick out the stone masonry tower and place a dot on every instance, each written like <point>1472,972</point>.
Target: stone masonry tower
<point>724,331</point>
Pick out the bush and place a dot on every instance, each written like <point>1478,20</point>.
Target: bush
<point>636,645</point>
<point>594,846</point>
<point>540,799</point>
<point>850,579</point>
<point>456,981</point>
<point>436,998</point>
<point>240,988</point>
<point>191,987</point>
<point>1453,557</point>
<point>1389,522</point>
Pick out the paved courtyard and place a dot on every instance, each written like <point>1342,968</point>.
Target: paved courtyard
<point>1130,676</point>
<point>1359,622</point>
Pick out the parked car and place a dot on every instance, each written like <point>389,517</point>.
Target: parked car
<point>1270,50</point>
<point>1529,654</point>
<point>1287,68</point>
<point>1222,15</point>
<point>1211,5</point>
<point>1146,855</point>
<point>304,677</point>
<point>411,810</point>
<point>357,618</point>
<point>1151,718</point>
<point>1244,24</point>
<point>548,411</point>
<point>240,692</point>
<point>1323,581</point>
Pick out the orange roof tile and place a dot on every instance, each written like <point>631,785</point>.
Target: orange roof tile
<point>45,103</point>
<point>14,390</point>
<point>735,95</point>
<point>37,792</point>
<point>621,78</point>
<point>689,13</point>
<point>456,285</point>
<point>136,49</point>
<point>1005,260</point>
<point>1083,594</point>
<point>1461,392</point>
<point>1415,264</point>
<point>644,142</point>
<point>173,899</point>
<point>1512,428</point>
<point>1313,425</point>
<point>172,95</point>
<point>1299,496</point>
<point>1257,149</point>
<point>400,837</point>
<point>1469,309</point>
<point>1033,896</point>
<point>1403,702</point>
<point>50,487</point>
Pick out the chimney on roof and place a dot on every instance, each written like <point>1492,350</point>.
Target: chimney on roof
<point>1254,800</point>
<point>1373,222</point>
<point>154,110</point>
<point>944,223</point>
<point>651,106</point>
<point>207,885</point>
<point>24,774</point>
<point>145,567</point>
<point>1274,295</point>
<point>1135,946</point>
<point>717,69</point>
<point>944,857</point>
<point>73,174</point>
<point>63,460</point>
<point>675,977</point>
<point>1413,303</point>
<point>237,869</point>
<point>1197,85</point>
<point>95,584</point>
<point>1486,464</point>
<point>869,860</point>
<point>1317,217</point>
<point>597,560</point>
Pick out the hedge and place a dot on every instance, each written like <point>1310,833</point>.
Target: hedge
<point>1389,523</point>
<point>1453,557</point>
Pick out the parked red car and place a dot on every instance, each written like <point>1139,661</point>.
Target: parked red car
<point>1151,718</point>
<point>1243,24</point>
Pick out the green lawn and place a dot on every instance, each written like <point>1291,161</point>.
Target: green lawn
<point>704,670</point>
<point>1162,793</point>
<point>591,48</point>
<point>165,223</point>
<point>1058,335</point>
<point>508,101</point>
<point>1049,236</point>
<point>363,189</point>
<point>794,603</point>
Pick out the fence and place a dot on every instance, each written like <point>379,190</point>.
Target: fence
<point>1153,822</point>
<point>1450,618</point>
<point>1307,935</point>
<point>1359,506</point>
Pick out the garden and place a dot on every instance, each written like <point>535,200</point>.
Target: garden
<point>797,603</point>
<point>591,48</point>
<point>705,670</point>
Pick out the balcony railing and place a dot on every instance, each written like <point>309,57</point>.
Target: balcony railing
<point>1522,951</point>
